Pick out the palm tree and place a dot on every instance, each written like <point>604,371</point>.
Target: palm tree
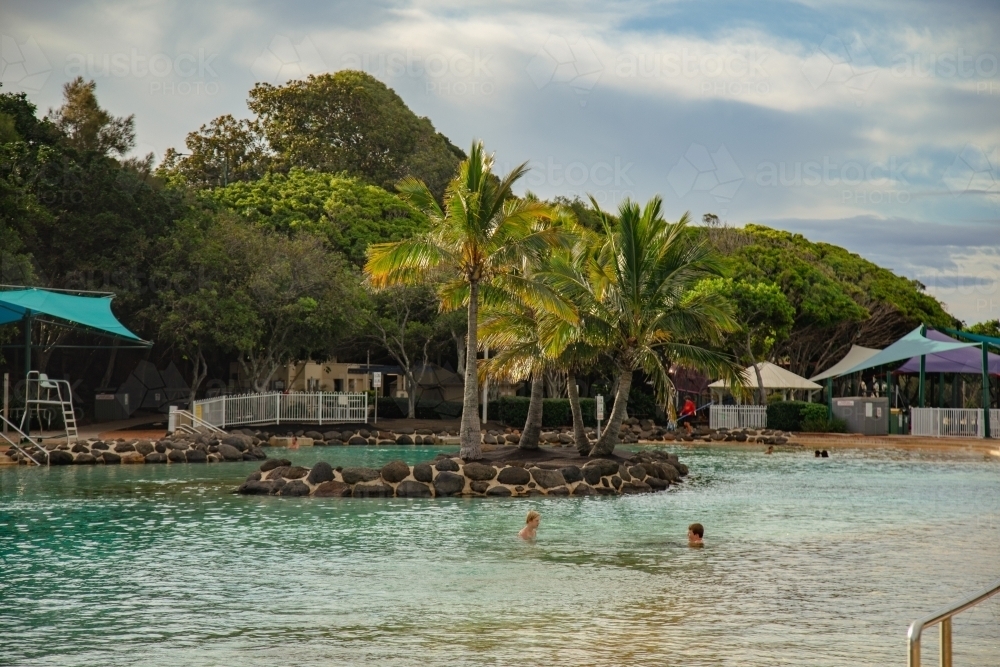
<point>635,296</point>
<point>479,238</point>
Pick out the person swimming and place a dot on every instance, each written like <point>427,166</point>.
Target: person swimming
<point>530,529</point>
<point>696,532</point>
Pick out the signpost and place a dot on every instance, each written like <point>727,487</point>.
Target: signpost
<point>6,400</point>
<point>600,413</point>
<point>377,384</point>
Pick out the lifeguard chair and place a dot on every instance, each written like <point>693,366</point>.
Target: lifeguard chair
<point>44,396</point>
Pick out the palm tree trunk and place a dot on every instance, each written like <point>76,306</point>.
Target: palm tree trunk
<point>606,443</point>
<point>579,434</point>
<point>469,435</point>
<point>533,424</point>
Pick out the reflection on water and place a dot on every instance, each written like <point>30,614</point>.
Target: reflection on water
<point>807,562</point>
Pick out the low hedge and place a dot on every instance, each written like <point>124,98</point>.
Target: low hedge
<point>513,411</point>
<point>785,416</point>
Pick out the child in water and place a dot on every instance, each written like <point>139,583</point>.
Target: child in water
<point>695,534</point>
<point>530,526</point>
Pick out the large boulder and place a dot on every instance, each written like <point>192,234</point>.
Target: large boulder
<point>422,472</point>
<point>479,486</point>
<point>156,457</point>
<point>332,489</point>
<point>271,464</point>
<point>514,476</point>
<point>295,488</point>
<point>547,479</point>
<point>110,458</point>
<point>448,483</point>
<point>144,447</point>
<point>411,489</point>
<point>240,442</point>
<point>499,491</point>
<point>357,440</point>
<point>58,457</point>
<point>592,475</point>
<point>290,472</point>
<point>355,475</point>
<point>583,490</point>
<point>197,456</point>
<point>479,471</point>
<point>85,459</point>
<point>395,471</point>
<point>447,465</point>
<point>253,487</point>
<point>123,447</point>
<point>80,448</point>
<point>372,490</point>
<point>656,483</point>
<point>230,452</point>
<point>321,472</point>
<point>605,466</point>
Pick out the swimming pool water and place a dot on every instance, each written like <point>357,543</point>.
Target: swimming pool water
<point>808,562</point>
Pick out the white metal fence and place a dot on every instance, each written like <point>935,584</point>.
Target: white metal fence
<point>961,422</point>
<point>276,407</point>
<point>737,416</point>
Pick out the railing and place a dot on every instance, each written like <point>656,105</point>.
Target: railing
<point>17,445</point>
<point>944,618</point>
<point>276,407</point>
<point>184,421</point>
<point>737,416</point>
<point>960,422</point>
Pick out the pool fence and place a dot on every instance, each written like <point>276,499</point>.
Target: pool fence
<point>277,407</point>
<point>737,416</point>
<point>960,422</point>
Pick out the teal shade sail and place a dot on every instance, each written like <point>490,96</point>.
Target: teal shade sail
<point>913,344</point>
<point>93,312</point>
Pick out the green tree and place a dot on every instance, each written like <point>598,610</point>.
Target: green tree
<point>350,213</point>
<point>637,296</point>
<point>351,122</point>
<point>88,127</point>
<point>986,328</point>
<point>479,237</point>
<point>224,151</point>
<point>764,318</point>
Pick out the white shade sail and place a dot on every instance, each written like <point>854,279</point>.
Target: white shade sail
<point>773,377</point>
<point>856,355</point>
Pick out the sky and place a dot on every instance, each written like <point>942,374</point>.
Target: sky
<point>872,125</point>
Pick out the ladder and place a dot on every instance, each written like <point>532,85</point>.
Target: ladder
<point>17,445</point>
<point>42,393</point>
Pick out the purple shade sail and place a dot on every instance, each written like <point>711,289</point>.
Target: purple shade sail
<point>966,360</point>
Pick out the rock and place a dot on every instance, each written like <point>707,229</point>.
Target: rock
<point>357,440</point>
<point>623,473</point>
<point>160,446</point>
<point>657,484</point>
<point>559,491</point>
<point>395,471</point>
<point>355,475</point>
<point>447,465</point>
<point>321,472</point>
<point>252,487</point>
<point>405,430</point>
<point>635,487</point>
<point>448,483</point>
<point>479,471</point>
<point>230,453</point>
<point>240,442</point>
<point>123,447</point>
<point>176,456</point>
<point>499,491</point>
<point>571,474</point>
<point>404,440</point>
<point>479,486</point>
<point>315,435</point>
<point>176,445</point>
<point>59,457</point>
<point>592,475</point>
<point>513,476</point>
<point>616,481</point>
<point>637,471</point>
<point>422,472</point>
<point>331,435</point>
<point>156,457</point>
<point>80,448</point>
<point>547,479</point>
<point>110,458</point>
<point>582,489</point>
<point>290,472</point>
<point>605,466</point>
<point>411,489</point>
<point>332,489</point>
<point>489,439</point>
<point>85,459</point>
<point>271,464</point>
<point>372,490</point>
<point>295,488</point>
<point>198,456</point>
<point>98,445</point>
<point>144,447</point>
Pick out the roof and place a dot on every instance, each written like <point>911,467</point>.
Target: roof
<point>854,356</point>
<point>93,312</point>
<point>964,360</point>
<point>913,344</point>
<point>773,377</point>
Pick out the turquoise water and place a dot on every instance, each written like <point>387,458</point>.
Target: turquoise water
<point>808,562</point>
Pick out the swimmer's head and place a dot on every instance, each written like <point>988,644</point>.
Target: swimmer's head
<point>696,529</point>
<point>533,518</point>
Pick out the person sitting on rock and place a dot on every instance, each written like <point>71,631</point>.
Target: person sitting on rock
<point>530,529</point>
<point>695,534</point>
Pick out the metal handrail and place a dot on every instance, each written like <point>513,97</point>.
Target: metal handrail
<point>48,457</point>
<point>943,616</point>
<point>197,421</point>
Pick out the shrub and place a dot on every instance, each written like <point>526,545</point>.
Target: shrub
<point>785,416</point>
<point>813,412</point>
<point>513,411</point>
<point>837,425</point>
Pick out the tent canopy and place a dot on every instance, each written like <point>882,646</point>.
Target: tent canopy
<point>964,360</point>
<point>854,356</point>
<point>913,344</point>
<point>773,377</point>
<point>88,311</point>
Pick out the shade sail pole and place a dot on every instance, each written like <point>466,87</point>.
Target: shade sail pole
<point>829,398</point>
<point>27,367</point>
<point>986,391</point>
